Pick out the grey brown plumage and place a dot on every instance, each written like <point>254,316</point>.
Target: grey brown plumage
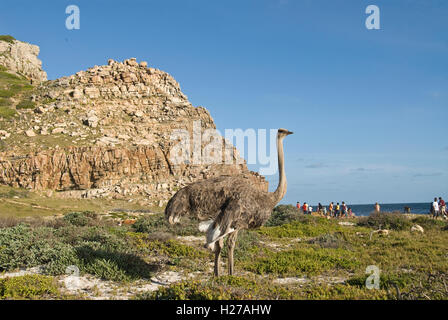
<point>231,203</point>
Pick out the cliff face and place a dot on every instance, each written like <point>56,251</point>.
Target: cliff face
<point>22,58</point>
<point>107,132</point>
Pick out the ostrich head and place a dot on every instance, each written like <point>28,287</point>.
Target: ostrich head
<point>281,133</point>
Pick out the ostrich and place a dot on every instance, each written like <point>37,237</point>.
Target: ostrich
<point>227,204</point>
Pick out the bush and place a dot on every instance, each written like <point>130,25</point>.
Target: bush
<point>386,220</point>
<point>157,223</point>
<point>81,219</point>
<point>428,223</point>
<point>330,240</point>
<point>283,214</point>
<point>93,249</point>
<point>28,287</point>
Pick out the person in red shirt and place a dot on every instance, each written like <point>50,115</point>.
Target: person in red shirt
<point>305,208</point>
<point>298,205</point>
<point>442,207</point>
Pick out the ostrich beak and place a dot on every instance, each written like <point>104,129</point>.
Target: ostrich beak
<point>289,132</point>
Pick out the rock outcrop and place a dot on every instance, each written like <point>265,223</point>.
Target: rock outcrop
<point>107,132</point>
<point>21,57</point>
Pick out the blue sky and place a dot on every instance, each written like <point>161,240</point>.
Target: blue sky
<point>368,107</point>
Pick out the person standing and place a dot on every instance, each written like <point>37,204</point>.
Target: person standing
<point>310,210</point>
<point>331,208</point>
<point>298,205</point>
<point>344,209</point>
<point>442,207</point>
<point>305,208</point>
<point>319,208</point>
<point>377,207</point>
<point>337,211</point>
<point>350,213</point>
<point>435,208</point>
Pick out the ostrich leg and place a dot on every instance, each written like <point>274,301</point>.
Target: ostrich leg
<point>231,245</point>
<point>218,246</point>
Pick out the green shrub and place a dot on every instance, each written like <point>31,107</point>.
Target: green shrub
<point>429,223</point>
<point>7,38</point>
<point>283,214</point>
<point>81,218</point>
<point>386,220</point>
<point>28,287</point>
<point>158,223</point>
<point>93,249</point>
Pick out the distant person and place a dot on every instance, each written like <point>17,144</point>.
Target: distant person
<point>298,205</point>
<point>331,209</point>
<point>337,210</point>
<point>435,208</point>
<point>377,207</point>
<point>319,208</point>
<point>305,208</point>
<point>442,207</point>
<point>325,211</point>
<point>350,212</point>
<point>344,209</point>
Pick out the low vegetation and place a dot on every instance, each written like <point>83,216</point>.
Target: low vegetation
<point>295,257</point>
<point>7,38</point>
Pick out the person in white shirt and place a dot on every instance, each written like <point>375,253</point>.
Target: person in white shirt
<point>435,208</point>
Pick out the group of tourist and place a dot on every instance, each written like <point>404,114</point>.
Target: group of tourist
<point>334,211</point>
<point>438,207</point>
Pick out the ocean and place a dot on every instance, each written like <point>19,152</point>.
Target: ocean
<point>366,209</point>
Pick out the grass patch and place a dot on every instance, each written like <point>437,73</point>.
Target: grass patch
<point>25,104</point>
<point>302,261</point>
<point>304,226</point>
<point>7,38</point>
<point>6,112</point>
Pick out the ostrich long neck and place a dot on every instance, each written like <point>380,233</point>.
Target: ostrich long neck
<point>281,188</point>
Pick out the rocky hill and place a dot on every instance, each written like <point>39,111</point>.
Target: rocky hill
<point>21,58</point>
<point>103,132</point>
